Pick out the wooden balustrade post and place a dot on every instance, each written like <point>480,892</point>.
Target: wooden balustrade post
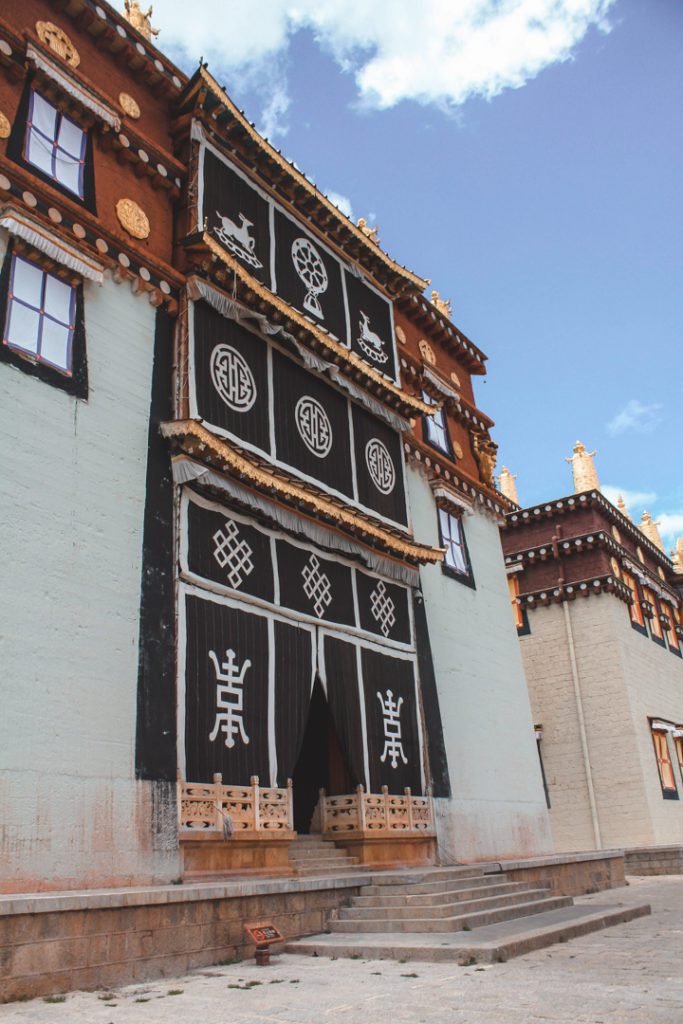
<point>218,801</point>
<point>409,802</point>
<point>385,794</point>
<point>255,796</point>
<point>360,797</point>
<point>290,805</point>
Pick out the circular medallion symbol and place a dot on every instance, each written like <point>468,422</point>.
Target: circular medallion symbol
<point>311,269</point>
<point>232,378</point>
<point>313,425</point>
<point>380,465</point>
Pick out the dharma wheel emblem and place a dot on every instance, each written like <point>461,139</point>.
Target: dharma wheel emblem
<point>232,378</point>
<point>311,269</point>
<point>380,465</point>
<point>313,425</point>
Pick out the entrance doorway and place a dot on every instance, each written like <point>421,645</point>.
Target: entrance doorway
<point>321,763</point>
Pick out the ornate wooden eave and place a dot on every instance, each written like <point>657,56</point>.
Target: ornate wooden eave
<point>438,466</point>
<point>203,96</point>
<point>439,328</point>
<point>246,289</point>
<point>594,585</point>
<point>589,499</point>
<point>192,438</point>
<point>463,411</point>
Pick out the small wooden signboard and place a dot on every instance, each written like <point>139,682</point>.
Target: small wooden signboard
<point>262,934</point>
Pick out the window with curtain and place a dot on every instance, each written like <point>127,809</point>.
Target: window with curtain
<point>635,611</point>
<point>55,145</point>
<point>41,313</point>
<point>655,623</point>
<point>456,561</point>
<point>671,635</point>
<point>678,744</point>
<point>664,765</point>
<point>436,428</point>
<point>520,616</point>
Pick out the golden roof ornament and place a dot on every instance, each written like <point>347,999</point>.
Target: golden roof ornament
<point>677,557</point>
<point>585,475</point>
<point>5,126</point>
<point>485,452</point>
<point>650,528</point>
<point>371,233</point>
<point>507,486</point>
<point>621,505</point>
<point>140,20</point>
<point>443,305</point>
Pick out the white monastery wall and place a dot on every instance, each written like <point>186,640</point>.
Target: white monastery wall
<point>497,807</point>
<point>72,493</point>
<point>624,678</point>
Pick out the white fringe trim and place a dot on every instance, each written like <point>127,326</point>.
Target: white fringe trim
<point>439,383</point>
<point>73,88</point>
<point>185,471</point>
<point>40,238</point>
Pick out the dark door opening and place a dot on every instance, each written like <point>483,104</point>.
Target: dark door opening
<point>321,763</point>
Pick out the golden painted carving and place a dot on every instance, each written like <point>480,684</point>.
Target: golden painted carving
<point>401,335</point>
<point>616,568</point>
<point>371,233</point>
<point>427,352</point>
<point>443,305</point>
<point>455,379</point>
<point>639,552</point>
<point>651,530</point>
<point>129,105</point>
<point>58,41</point>
<point>457,450</point>
<point>5,126</point>
<point>133,218</point>
<point>677,556</point>
<point>585,474</point>
<point>616,535</point>
<point>140,20</point>
<point>485,452</point>
<point>507,486</point>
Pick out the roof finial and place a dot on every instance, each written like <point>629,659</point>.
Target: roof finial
<point>507,486</point>
<point>621,505</point>
<point>585,475</point>
<point>650,528</point>
<point>677,556</point>
<point>443,305</point>
<point>371,233</point>
<point>139,20</point>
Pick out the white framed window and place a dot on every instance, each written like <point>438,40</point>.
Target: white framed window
<point>55,145</point>
<point>41,312</point>
<point>436,428</point>
<point>456,559</point>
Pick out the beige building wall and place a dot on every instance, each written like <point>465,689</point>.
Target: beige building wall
<point>624,679</point>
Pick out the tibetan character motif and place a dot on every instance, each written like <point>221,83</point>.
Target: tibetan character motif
<point>233,554</point>
<point>229,698</point>
<point>382,608</point>
<point>313,425</point>
<point>317,586</point>
<point>232,378</point>
<point>391,714</point>
<point>380,465</point>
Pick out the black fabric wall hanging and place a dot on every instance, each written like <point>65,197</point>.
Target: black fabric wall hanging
<point>340,673</point>
<point>293,686</point>
<point>229,552</point>
<point>308,277</point>
<point>436,746</point>
<point>231,377</point>
<point>379,466</point>
<point>383,608</point>
<point>318,586</point>
<point>311,425</point>
<point>391,721</point>
<point>371,333</point>
<point>237,216</point>
<point>226,693</point>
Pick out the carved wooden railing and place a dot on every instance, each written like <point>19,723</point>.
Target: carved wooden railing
<point>376,814</point>
<point>213,807</point>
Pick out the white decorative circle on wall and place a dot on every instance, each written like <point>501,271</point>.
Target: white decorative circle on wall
<point>313,425</point>
<point>232,378</point>
<point>380,465</point>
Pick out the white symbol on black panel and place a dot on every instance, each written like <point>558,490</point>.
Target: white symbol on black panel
<point>393,744</point>
<point>369,342</point>
<point>313,425</point>
<point>383,608</point>
<point>232,378</point>
<point>380,465</point>
<point>233,554</point>
<point>237,238</point>
<point>311,269</point>
<point>317,586</point>
<point>229,698</point>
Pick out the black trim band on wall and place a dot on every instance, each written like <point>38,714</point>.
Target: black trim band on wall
<point>436,747</point>
<point>155,745</point>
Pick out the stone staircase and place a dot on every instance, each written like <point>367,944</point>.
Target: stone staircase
<point>313,855</point>
<point>458,913</point>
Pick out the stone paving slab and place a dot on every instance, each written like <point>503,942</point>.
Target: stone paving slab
<point>630,974</point>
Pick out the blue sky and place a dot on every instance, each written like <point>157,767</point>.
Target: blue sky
<point>533,171</point>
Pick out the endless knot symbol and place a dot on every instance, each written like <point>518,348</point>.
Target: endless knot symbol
<point>393,745</point>
<point>380,465</point>
<point>229,698</point>
<point>232,378</point>
<point>233,554</point>
<point>317,586</point>
<point>311,269</point>
<point>313,425</point>
<point>383,608</point>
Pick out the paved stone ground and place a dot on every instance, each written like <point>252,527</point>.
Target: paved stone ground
<point>630,974</point>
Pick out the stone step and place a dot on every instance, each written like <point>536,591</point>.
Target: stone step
<point>455,891</point>
<point>405,885</point>
<point>305,862</point>
<point>450,910</point>
<point>316,851</point>
<point>458,922</point>
<point>496,942</point>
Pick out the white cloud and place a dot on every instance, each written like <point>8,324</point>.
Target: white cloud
<point>438,52</point>
<point>636,501</point>
<point>635,416</point>
<point>342,203</point>
<point>670,527</point>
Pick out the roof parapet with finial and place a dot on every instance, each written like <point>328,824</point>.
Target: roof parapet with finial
<point>621,505</point>
<point>507,486</point>
<point>650,528</point>
<point>585,474</point>
<point>677,557</point>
